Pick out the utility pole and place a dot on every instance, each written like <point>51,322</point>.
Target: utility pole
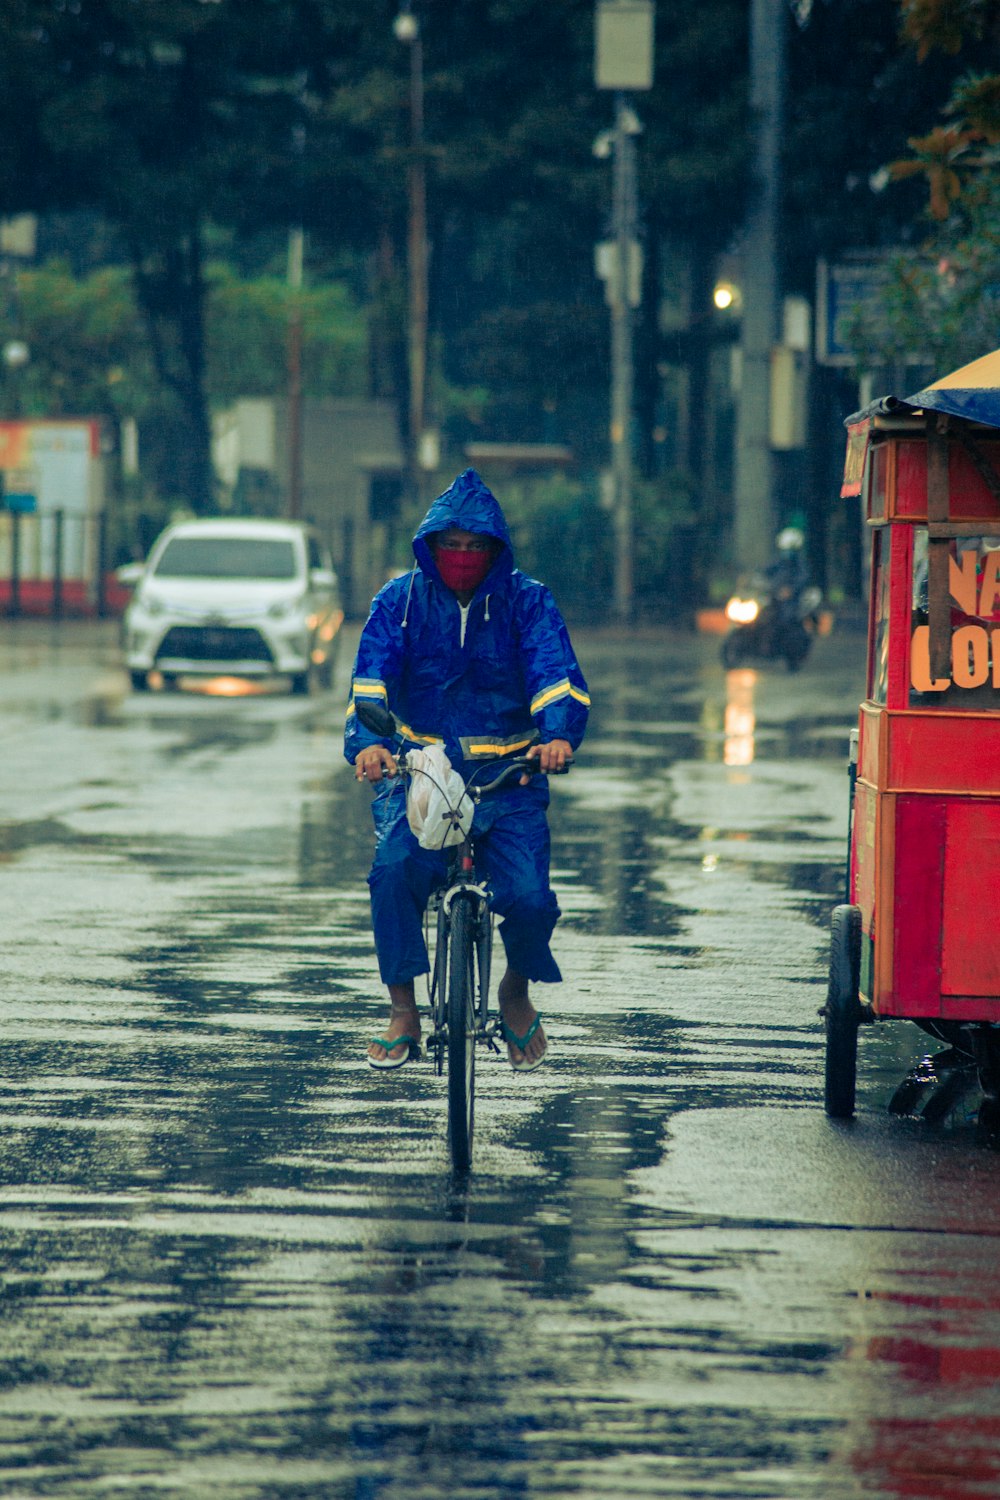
<point>754,507</point>
<point>622,354</point>
<point>623,60</point>
<point>295,258</point>
<point>406,28</point>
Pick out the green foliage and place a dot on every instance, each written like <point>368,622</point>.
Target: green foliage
<point>854,95</point>
<point>265,113</point>
<point>269,113</point>
<point>665,557</point>
<point>247,322</point>
<point>941,302</point>
<point>952,157</point>
<point>941,305</point>
<point>87,348</point>
<point>89,353</point>
<point>564,536</point>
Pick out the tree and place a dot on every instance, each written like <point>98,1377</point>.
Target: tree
<point>853,95</point>
<point>941,299</point>
<point>155,116</point>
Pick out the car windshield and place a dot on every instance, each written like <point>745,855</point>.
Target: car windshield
<point>227,557</point>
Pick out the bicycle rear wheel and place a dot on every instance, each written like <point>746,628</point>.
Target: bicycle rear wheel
<point>461,1032</point>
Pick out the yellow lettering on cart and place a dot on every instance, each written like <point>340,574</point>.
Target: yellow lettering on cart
<point>920,664</point>
<point>970,656</point>
<point>962,583</point>
<point>990,595</point>
<point>974,650</point>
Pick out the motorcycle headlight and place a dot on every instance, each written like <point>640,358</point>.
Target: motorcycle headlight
<point>742,611</point>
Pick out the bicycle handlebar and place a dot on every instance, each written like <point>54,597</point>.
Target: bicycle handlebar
<point>523,765</point>
<point>508,769</point>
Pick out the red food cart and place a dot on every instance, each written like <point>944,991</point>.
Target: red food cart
<point>919,934</point>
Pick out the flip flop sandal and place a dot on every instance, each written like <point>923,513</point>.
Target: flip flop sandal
<point>511,1037</point>
<point>413,1051</point>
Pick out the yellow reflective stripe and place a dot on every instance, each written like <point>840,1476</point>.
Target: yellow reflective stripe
<point>369,687</point>
<point>418,739</point>
<point>564,689</point>
<point>403,730</point>
<point>505,747</point>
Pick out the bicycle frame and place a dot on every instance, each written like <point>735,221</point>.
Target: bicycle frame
<point>461,884</point>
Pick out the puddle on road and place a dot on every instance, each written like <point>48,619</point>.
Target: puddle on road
<point>234,1261</point>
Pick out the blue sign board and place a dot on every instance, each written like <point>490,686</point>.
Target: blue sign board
<point>846,294</point>
<point>21,501</point>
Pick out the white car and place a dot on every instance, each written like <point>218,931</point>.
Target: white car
<point>244,598</point>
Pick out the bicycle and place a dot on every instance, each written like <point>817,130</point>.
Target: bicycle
<point>459,984</point>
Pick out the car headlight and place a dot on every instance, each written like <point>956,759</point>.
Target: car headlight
<point>282,608</point>
<point>151,603</point>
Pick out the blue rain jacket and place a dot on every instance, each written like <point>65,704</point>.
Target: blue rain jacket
<point>492,679</point>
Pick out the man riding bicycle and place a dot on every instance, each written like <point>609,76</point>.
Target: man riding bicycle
<point>467,650</point>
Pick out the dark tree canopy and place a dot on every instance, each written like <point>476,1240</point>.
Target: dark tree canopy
<point>199,131</point>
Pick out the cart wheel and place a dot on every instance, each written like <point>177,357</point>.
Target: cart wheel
<point>843,1012</point>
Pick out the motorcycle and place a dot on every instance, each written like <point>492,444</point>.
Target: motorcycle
<point>769,623</point>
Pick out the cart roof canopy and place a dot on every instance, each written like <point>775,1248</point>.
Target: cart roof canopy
<point>972,392</point>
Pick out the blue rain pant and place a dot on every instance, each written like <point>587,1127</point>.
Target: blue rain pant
<point>512,852</point>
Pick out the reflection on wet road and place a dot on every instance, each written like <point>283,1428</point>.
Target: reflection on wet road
<point>233,1261</point>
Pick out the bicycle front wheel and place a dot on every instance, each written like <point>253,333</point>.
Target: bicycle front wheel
<point>461,1032</point>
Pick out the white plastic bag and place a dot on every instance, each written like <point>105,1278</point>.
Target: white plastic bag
<point>438,808</point>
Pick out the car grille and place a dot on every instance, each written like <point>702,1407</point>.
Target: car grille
<point>213,643</point>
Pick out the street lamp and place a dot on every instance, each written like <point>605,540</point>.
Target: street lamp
<point>406,29</point>
<point>15,355</point>
<point>623,60</point>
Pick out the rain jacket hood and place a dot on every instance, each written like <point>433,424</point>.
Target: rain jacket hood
<point>471,506</point>
<point>487,678</point>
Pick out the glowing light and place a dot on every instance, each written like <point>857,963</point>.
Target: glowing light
<point>742,611</point>
<point>723,296</point>
<point>229,687</point>
<point>740,719</point>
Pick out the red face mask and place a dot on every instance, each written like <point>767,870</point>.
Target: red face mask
<point>462,571</point>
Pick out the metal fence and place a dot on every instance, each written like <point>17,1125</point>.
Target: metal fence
<point>54,563</point>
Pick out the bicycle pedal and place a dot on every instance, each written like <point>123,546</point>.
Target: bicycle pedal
<point>489,1036</point>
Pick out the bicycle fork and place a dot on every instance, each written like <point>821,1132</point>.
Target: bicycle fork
<point>486,1030</point>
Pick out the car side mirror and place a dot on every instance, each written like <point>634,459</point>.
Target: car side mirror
<point>128,574</point>
<point>322,578</point>
<point>376,719</point>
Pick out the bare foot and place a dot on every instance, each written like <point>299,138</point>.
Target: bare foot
<point>519,1014</point>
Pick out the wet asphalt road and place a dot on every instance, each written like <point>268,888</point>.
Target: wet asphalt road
<point>233,1261</point>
